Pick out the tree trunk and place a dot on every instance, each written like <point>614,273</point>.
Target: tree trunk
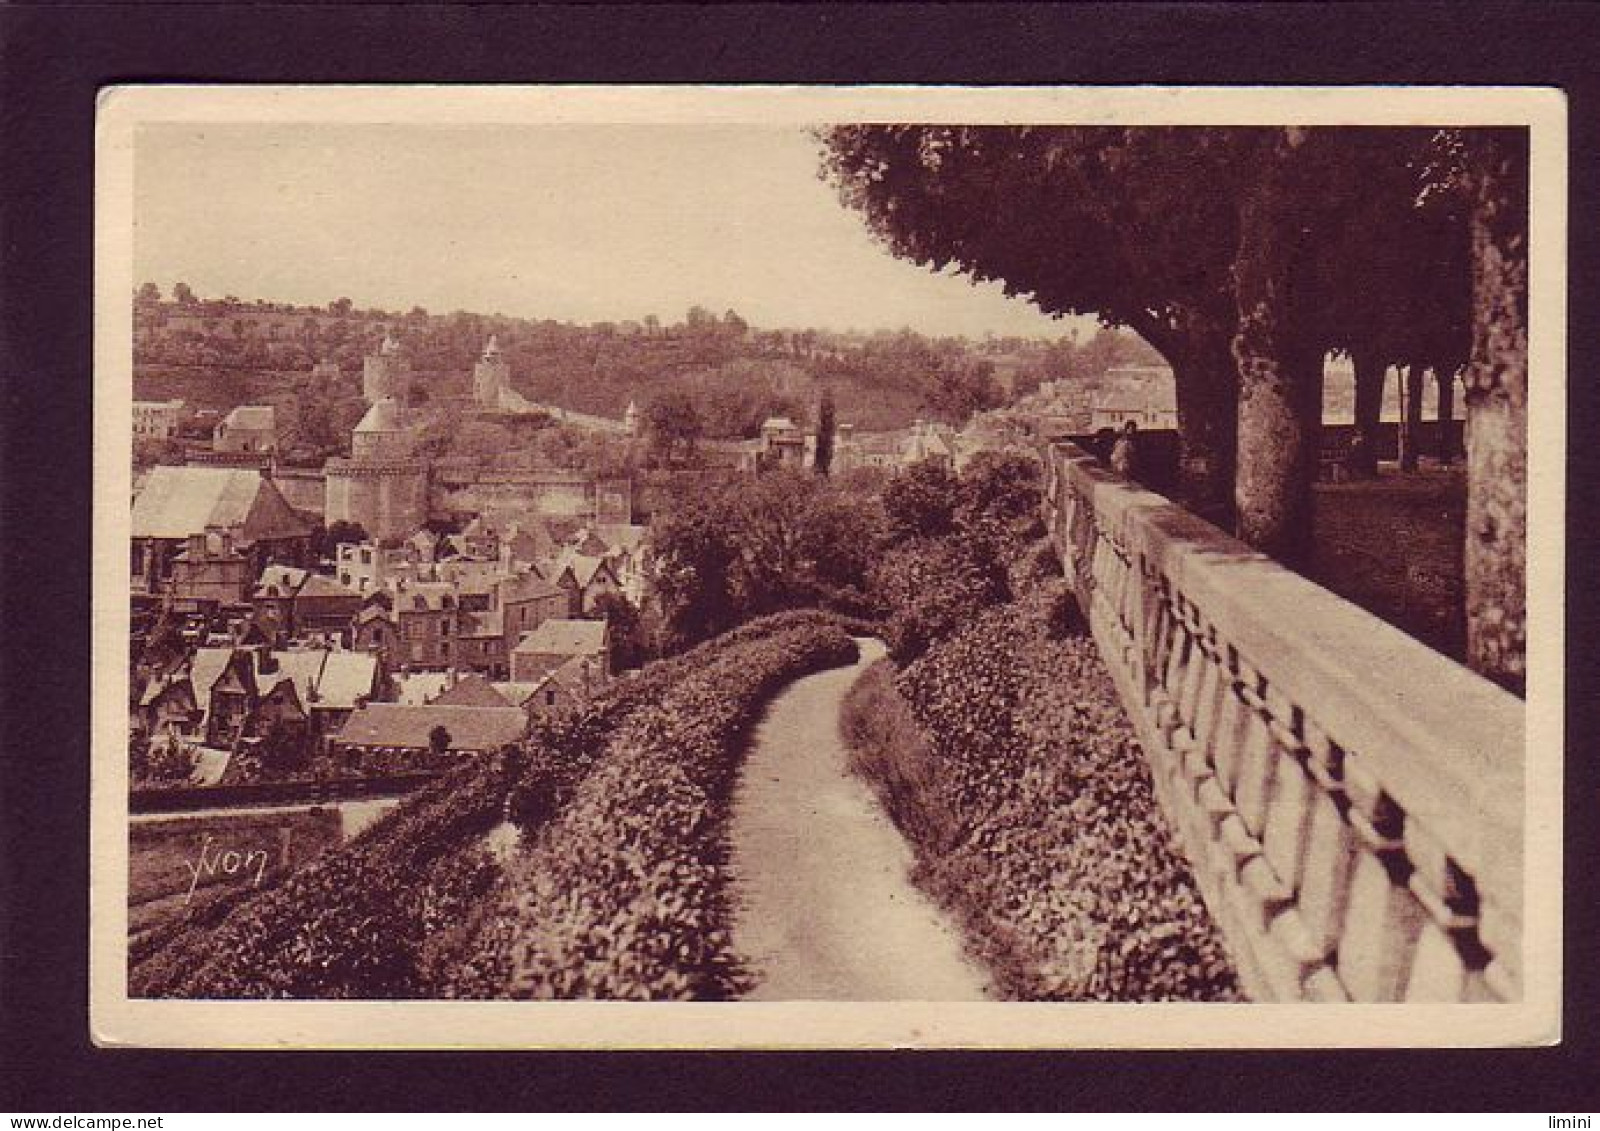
<point>1280,379</point>
<point>1371,370</point>
<point>1208,426</point>
<point>1497,413</point>
<point>1446,376</point>
<point>1411,417</point>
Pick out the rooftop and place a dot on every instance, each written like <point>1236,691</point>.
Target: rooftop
<point>566,638</point>
<point>407,727</point>
<point>383,416</point>
<point>472,691</point>
<point>179,501</point>
<point>255,417</point>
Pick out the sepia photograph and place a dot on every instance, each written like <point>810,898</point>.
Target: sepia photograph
<point>832,567</point>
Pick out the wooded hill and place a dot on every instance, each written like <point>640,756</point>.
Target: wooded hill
<point>738,374</point>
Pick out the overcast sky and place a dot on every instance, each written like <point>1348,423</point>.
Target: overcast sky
<point>580,223</point>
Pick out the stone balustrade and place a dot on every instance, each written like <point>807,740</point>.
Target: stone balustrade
<point>1351,801</point>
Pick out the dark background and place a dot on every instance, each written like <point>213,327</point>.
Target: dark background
<point>53,58</point>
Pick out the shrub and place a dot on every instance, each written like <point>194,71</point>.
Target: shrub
<point>622,895</point>
<point>420,905</point>
<point>1024,790</point>
<point>930,587</point>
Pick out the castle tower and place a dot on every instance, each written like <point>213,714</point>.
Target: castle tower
<point>386,373</point>
<point>490,376</point>
<point>383,485</point>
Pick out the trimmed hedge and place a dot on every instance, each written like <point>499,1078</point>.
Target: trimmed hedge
<point>350,924</point>
<point>622,894</point>
<point>414,906</point>
<point>1005,756</point>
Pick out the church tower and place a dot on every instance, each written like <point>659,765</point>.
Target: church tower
<point>630,419</point>
<point>386,373</point>
<point>490,376</point>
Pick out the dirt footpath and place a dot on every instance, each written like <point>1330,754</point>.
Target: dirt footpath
<point>827,909</point>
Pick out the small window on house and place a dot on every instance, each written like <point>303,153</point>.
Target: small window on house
<point>419,602</point>
<point>366,557</point>
<point>550,697</point>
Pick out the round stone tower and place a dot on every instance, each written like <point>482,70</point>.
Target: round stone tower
<point>490,376</point>
<point>382,486</point>
<point>386,373</point>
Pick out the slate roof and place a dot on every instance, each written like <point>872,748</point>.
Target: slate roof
<point>621,535</point>
<point>432,593</point>
<point>473,691</point>
<point>326,678</point>
<point>331,679</point>
<point>280,581</point>
<point>408,727</point>
<point>517,692</point>
<point>418,688</point>
<point>179,501</point>
<point>530,586</point>
<point>321,585</point>
<point>383,416</point>
<point>557,636</point>
<point>583,567</point>
<point>254,417</point>
<point>373,612</point>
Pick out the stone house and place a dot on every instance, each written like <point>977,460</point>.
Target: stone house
<point>209,570</point>
<point>248,428</point>
<point>176,503</point>
<point>157,420</point>
<point>426,614</point>
<point>374,631</point>
<point>368,567</point>
<point>584,578</point>
<point>585,645</point>
<point>526,600</point>
<point>302,603</point>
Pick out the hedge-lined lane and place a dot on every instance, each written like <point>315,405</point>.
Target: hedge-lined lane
<point>404,909</point>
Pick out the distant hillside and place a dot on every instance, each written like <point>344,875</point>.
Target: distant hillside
<point>738,374</point>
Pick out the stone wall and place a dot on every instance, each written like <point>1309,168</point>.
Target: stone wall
<point>1352,801</point>
<point>389,499</point>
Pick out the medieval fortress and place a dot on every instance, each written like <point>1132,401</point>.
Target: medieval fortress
<point>384,484</point>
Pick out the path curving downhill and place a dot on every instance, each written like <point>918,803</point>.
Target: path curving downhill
<point>826,910</point>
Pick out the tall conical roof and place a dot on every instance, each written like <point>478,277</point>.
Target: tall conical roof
<point>492,350</point>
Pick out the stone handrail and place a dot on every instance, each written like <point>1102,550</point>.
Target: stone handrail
<point>1351,801</point>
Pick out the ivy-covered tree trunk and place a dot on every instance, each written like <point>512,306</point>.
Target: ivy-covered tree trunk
<point>1497,412</point>
<point>1280,378</point>
<point>1371,370</point>
<point>1411,418</point>
<point>1446,376</point>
